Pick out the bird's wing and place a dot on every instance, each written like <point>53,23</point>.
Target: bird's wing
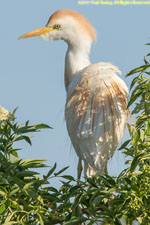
<point>96,112</point>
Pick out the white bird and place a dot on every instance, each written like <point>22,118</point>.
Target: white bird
<point>96,105</point>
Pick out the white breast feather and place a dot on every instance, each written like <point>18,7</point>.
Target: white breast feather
<point>96,112</point>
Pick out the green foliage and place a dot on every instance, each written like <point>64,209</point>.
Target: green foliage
<point>27,198</point>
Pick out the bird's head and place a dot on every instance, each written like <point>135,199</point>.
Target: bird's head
<point>66,25</point>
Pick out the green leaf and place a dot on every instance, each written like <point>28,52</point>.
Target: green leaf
<point>10,223</point>
<point>18,181</point>
<point>134,81</point>
<point>76,211</point>
<point>135,138</point>
<point>7,221</point>
<point>67,177</point>
<point>61,171</point>
<point>30,184</point>
<point>2,193</point>
<point>26,129</point>
<point>137,173</point>
<point>27,123</point>
<point>148,128</point>
<point>92,222</point>
<point>14,153</point>
<point>139,219</point>
<point>142,135</point>
<point>91,182</point>
<point>130,129</point>
<point>124,144</point>
<point>41,219</point>
<point>2,208</point>
<point>145,61</point>
<point>52,189</point>
<point>110,180</point>
<point>135,162</point>
<point>97,201</point>
<point>128,162</point>
<point>51,170</point>
<point>26,174</point>
<point>13,192</point>
<point>50,197</point>
<point>31,193</point>
<point>138,69</point>
<point>135,96</point>
<point>137,108</point>
<point>26,138</point>
<point>14,112</point>
<point>117,222</point>
<point>75,221</point>
<point>33,163</point>
<point>42,126</point>
<point>146,156</point>
<point>74,190</point>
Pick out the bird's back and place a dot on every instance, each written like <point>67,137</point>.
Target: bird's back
<point>96,112</point>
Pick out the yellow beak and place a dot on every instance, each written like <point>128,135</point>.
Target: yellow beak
<point>37,32</point>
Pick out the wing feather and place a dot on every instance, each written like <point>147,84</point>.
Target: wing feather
<point>96,112</point>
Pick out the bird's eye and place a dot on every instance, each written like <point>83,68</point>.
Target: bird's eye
<point>56,26</point>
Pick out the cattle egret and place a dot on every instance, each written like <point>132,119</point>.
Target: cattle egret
<point>96,105</point>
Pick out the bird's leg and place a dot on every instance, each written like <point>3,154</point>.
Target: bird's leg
<point>79,168</point>
<point>106,171</point>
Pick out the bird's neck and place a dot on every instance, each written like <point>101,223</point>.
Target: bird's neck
<point>77,58</point>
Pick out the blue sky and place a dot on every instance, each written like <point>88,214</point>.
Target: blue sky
<point>32,75</point>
